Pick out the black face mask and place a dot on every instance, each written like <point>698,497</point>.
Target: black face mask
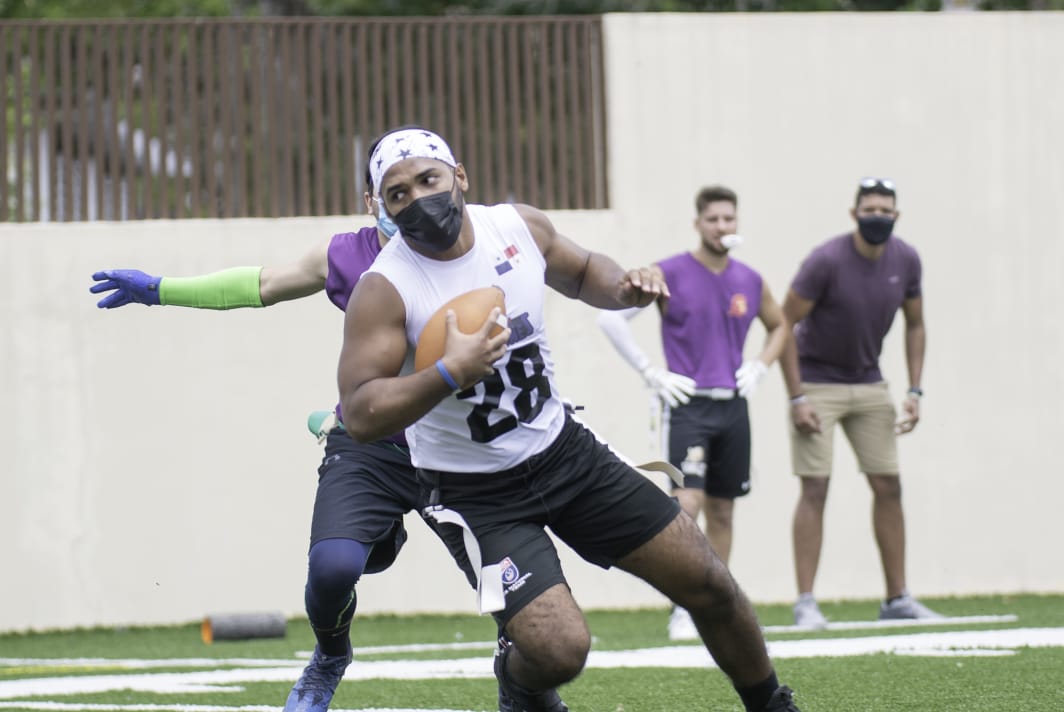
<point>875,229</point>
<point>432,223</point>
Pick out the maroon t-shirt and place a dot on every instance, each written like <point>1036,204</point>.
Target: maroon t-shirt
<point>855,300</point>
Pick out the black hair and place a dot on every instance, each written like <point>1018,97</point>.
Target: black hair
<point>877,189</point>
<point>714,194</point>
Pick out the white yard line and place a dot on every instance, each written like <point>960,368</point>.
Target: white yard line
<point>905,623</point>
<point>57,664</point>
<point>424,647</point>
<point>300,660</point>
<point>938,643</point>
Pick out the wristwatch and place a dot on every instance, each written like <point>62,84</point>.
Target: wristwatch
<point>916,391</point>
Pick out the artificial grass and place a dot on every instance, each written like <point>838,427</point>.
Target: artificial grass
<point>1027,678</point>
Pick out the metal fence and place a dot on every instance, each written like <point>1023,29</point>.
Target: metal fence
<point>267,118</point>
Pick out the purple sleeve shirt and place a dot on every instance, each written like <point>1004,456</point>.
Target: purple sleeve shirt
<point>350,254</point>
<point>704,326</point>
<point>855,300</point>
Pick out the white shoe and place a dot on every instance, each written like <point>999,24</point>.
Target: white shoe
<point>681,627</point>
<point>905,606</point>
<point>807,613</point>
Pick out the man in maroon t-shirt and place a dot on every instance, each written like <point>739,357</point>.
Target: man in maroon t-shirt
<point>842,303</point>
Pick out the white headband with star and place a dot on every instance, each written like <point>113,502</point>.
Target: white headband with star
<point>407,143</point>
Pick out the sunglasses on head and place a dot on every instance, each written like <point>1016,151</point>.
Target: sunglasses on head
<point>869,183</point>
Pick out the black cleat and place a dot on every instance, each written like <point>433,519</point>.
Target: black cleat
<point>513,697</point>
<point>782,700</point>
<point>314,689</point>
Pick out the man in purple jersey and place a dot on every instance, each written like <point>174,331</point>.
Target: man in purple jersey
<point>842,303</point>
<point>706,426</point>
<point>364,489</point>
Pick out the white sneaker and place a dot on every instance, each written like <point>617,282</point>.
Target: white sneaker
<point>681,627</point>
<point>905,606</point>
<point>807,613</point>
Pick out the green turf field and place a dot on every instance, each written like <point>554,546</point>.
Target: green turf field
<point>1013,660</point>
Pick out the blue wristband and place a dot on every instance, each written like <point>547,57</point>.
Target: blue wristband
<point>446,376</point>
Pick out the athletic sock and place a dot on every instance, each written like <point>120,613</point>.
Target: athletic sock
<point>756,697</point>
<point>333,643</point>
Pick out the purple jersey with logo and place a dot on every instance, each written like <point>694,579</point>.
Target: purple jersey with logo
<point>704,326</point>
<point>350,255</point>
<point>855,303</point>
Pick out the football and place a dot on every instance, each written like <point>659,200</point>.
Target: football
<point>471,309</point>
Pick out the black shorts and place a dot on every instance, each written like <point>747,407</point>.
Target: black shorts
<point>364,489</point>
<point>709,442</point>
<point>590,499</point>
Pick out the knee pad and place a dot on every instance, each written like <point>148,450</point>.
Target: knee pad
<point>334,567</point>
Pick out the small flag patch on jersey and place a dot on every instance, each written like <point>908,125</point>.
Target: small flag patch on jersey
<point>511,258</point>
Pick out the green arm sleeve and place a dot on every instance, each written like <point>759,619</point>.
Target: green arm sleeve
<point>227,289</point>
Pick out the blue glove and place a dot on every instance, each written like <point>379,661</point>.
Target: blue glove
<point>128,285</point>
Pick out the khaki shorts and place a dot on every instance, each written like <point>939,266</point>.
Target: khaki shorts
<point>866,414</point>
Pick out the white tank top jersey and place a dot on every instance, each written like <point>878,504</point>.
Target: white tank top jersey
<point>515,412</point>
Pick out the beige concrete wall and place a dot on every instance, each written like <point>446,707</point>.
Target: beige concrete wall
<point>154,463</point>
<point>963,111</point>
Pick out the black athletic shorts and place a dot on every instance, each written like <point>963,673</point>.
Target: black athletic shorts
<point>364,489</point>
<point>590,499</point>
<point>709,442</point>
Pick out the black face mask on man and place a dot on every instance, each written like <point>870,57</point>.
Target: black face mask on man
<point>875,229</point>
<point>432,223</point>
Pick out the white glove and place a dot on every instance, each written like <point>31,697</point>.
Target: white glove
<point>673,388</point>
<point>749,376</point>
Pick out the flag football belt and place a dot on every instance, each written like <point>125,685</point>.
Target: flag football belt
<point>490,594</point>
<point>320,422</point>
<point>717,394</point>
